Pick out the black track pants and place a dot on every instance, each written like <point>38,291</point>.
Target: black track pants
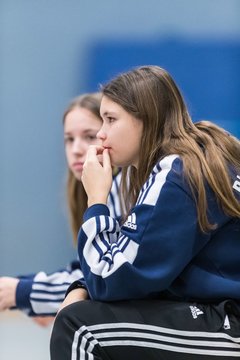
<point>146,330</point>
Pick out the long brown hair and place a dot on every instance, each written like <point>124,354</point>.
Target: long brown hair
<point>150,94</point>
<point>76,195</point>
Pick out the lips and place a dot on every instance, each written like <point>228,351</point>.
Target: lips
<point>77,165</point>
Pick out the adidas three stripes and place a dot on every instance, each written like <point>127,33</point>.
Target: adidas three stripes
<point>146,330</point>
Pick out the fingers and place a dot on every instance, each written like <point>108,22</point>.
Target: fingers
<point>93,151</point>
<point>43,321</point>
<point>100,155</point>
<point>106,160</point>
<point>8,287</point>
<point>4,307</point>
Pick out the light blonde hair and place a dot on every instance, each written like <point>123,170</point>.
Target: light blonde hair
<point>150,94</point>
<point>76,195</point>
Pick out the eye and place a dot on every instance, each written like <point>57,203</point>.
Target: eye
<point>91,137</point>
<point>110,119</point>
<point>68,139</point>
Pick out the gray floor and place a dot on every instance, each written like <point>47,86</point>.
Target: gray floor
<point>21,338</point>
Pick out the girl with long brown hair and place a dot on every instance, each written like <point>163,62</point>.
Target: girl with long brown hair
<point>164,284</point>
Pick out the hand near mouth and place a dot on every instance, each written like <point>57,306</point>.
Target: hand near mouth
<point>97,175</point>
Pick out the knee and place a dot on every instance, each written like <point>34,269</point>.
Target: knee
<point>62,315</point>
<point>63,319</point>
<point>62,334</point>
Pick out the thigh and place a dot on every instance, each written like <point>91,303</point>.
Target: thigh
<point>151,329</point>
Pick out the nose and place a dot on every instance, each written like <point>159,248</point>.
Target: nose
<point>101,135</point>
<point>79,147</point>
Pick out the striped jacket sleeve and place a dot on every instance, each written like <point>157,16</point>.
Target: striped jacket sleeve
<point>42,294</point>
<point>114,198</point>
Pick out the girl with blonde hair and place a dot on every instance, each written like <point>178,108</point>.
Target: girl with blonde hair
<point>40,295</point>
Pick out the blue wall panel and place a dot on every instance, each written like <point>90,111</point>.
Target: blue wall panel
<point>208,73</point>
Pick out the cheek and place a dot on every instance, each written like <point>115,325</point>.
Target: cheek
<point>97,142</point>
<point>68,155</point>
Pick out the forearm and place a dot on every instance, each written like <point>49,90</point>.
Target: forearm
<point>75,295</point>
<point>43,294</point>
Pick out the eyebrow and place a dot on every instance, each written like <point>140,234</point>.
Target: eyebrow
<point>84,131</point>
<point>108,113</point>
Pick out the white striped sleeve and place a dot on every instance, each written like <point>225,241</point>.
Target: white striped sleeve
<point>48,291</point>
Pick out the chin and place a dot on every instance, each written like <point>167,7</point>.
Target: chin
<point>78,175</point>
<point>120,162</point>
<point>116,163</point>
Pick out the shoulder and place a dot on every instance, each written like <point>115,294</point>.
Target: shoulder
<point>167,172</point>
<point>170,168</point>
<point>169,162</point>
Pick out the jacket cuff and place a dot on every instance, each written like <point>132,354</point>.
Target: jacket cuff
<point>96,210</point>
<point>23,292</point>
<point>75,285</point>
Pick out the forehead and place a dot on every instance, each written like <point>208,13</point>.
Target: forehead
<point>109,106</point>
<point>81,119</point>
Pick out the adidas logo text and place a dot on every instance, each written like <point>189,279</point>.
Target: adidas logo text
<point>131,222</point>
<point>195,311</point>
<point>226,325</point>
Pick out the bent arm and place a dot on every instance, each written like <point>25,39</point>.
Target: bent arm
<point>149,251</point>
